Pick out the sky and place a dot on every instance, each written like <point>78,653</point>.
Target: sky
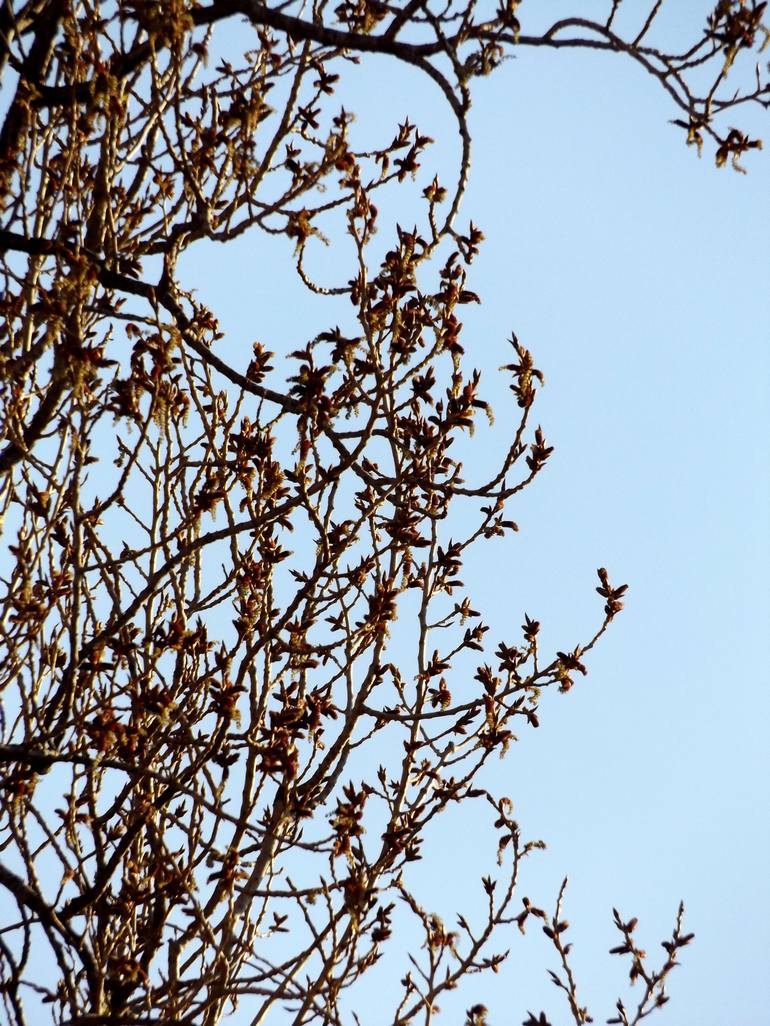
<point>637,275</point>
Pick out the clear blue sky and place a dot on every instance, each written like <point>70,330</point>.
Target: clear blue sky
<point>637,275</point>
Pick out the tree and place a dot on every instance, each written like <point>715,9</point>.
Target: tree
<point>241,673</point>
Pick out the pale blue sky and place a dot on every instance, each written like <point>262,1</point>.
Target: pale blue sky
<point>637,275</point>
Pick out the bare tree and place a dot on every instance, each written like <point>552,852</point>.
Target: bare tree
<point>221,752</point>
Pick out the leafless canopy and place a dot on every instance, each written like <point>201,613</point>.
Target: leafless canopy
<point>221,753</point>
